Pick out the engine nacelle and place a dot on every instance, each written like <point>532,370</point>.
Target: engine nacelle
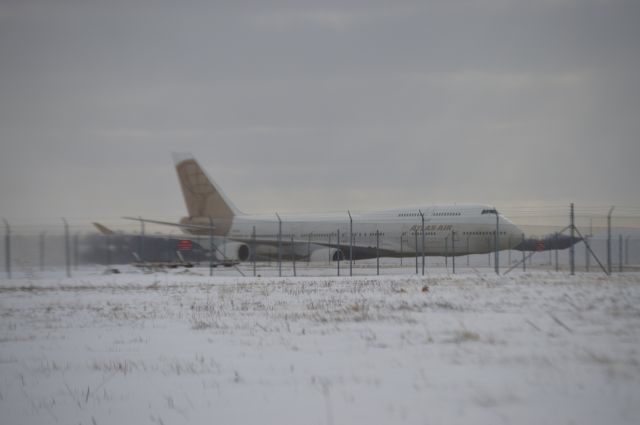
<point>326,254</point>
<point>232,251</point>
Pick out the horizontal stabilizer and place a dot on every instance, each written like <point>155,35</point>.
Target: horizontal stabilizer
<point>104,229</point>
<point>171,223</point>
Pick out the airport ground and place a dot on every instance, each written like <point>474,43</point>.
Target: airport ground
<point>182,347</point>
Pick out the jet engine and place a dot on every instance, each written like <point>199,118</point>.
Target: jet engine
<point>232,251</point>
<point>324,254</point>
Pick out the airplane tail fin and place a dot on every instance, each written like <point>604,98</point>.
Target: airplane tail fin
<point>201,194</point>
<point>104,229</point>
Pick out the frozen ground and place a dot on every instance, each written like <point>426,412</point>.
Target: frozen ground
<point>166,348</point>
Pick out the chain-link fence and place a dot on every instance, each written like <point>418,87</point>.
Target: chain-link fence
<point>342,244</point>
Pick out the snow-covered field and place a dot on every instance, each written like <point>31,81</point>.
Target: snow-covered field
<point>166,348</point>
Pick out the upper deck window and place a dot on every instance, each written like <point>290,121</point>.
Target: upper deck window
<point>446,213</point>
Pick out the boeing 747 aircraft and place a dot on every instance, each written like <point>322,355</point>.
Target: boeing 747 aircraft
<point>448,229</point>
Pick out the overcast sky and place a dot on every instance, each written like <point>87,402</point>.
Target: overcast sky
<point>318,105</point>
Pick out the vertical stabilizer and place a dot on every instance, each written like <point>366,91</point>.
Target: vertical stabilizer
<point>201,195</point>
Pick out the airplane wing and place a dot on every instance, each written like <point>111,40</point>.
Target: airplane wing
<point>358,251</point>
<point>171,223</point>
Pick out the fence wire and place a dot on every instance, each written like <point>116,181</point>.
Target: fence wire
<point>30,248</point>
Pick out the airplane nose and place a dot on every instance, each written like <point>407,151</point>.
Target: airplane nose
<point>514,233</point>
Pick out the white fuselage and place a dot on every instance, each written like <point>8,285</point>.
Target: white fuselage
<point>448,230</point>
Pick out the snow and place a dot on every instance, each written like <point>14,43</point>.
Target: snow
<point>175,347</point>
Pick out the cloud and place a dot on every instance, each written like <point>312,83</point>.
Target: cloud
<point>331,15</point>
<point>307,105</point>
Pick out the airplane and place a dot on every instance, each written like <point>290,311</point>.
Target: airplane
<point>450,229</point>
<point>148,251</point>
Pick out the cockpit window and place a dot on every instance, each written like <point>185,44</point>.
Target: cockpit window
<point>492,211</point>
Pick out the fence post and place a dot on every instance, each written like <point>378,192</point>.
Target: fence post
<point>141,244</point>
<point>401,248</point>
<point>587,259</point>
<point>377,252</point>
<point>524,263</point>
<point>211,251</point>
<point>338,251</point>
<point>416,235</point>
<point>253,249</point>
<point>468,253</point>
<point>453,251</point>
<point>609,239</point>
<point>308,249</point>
<point>446,253</point>
<point>67,253</point>
<point>556,251</point>
<point>497,243</point>
<point>293,257</point>
<point>572,259</point>
<point>75,251</point>
<point>350,244</point>
<point>279,246</point>
<point>422,230</point>
<point>7,248</point>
